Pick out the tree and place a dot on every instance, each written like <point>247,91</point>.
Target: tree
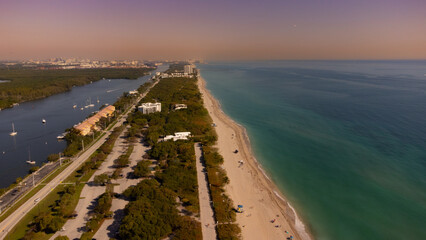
<point>101,179</point>
<point>55,224</point>
<point>18,180</point>
<point>142,169</point>
<point>42,221</point>
<point>61,238</point>
<point>103,203</point>
<point>53,157</point>
<point>122,161</point>
<point>34,169</point>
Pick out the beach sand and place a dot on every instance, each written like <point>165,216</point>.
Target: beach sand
<point>249,186</point>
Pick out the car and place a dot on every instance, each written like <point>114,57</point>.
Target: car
<point>37,199</point>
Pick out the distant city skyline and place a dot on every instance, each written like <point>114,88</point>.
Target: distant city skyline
<point>214,30</point>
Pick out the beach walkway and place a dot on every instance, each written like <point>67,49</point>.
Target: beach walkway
<point>208,228</point>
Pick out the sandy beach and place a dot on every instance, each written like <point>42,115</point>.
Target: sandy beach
<point>248,184</point>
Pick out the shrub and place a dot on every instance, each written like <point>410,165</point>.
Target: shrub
<point>228,231</point>
<point>61,238</point>
<point>53,157</point>
<point>34,169</point>
<point>101,179</point>
<point>142,169</point>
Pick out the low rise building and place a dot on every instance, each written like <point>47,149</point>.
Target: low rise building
<point>147,108</point>
<point>178,136</point>
<point>86,126</point>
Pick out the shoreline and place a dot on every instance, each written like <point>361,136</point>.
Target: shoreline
<point>249,184</point>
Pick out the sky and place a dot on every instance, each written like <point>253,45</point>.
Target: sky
<point>219,29</point>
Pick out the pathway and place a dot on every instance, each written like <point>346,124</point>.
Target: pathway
<point>206,211</point>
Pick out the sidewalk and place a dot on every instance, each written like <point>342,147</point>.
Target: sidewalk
<point>208,227</point>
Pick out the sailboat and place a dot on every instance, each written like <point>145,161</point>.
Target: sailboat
<point>29,158</point>
<point>97,100</point>
<point>90,103</point>
<point>13,133</point>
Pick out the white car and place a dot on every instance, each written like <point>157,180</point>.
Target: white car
<point>38,199</point>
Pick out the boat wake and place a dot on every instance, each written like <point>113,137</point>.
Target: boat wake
<point>112,90</point>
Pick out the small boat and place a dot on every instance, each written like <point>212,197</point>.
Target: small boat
<point>60,137</point>
<point>43,121</point>
<point>97,100</point>
<point>75,106</point>
<point>90,103</point>
<point>81,109</point>
<point>29,158</point>
<point>13,133</point>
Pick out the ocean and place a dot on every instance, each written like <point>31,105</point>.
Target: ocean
<point>345,141</point>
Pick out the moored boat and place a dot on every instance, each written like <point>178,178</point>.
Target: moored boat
<point>13,133</point>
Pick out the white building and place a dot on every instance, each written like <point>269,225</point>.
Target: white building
<point>188,69</point>
<point>178,136</point>
<point>147,108</point>
<point>180,106</point>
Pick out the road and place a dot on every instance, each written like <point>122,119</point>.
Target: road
<point>13,219</point>
<point>26,185</point>
<point>208,227</point>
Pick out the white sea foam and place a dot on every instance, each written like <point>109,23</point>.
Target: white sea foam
<point>264,173</point>
<point>300,227</point>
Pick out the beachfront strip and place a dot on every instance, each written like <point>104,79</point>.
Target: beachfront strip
<point>168,169</point>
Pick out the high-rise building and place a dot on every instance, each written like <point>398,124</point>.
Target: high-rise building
<point>188,69</point>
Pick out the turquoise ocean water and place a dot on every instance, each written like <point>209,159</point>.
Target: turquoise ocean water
<point>345,141</point>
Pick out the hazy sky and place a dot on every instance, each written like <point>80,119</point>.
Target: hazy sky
<point>217,29</point>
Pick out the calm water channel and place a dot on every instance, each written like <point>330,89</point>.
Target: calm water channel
<point>38,140</point>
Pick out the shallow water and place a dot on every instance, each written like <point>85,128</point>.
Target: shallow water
<point>344,140</point>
